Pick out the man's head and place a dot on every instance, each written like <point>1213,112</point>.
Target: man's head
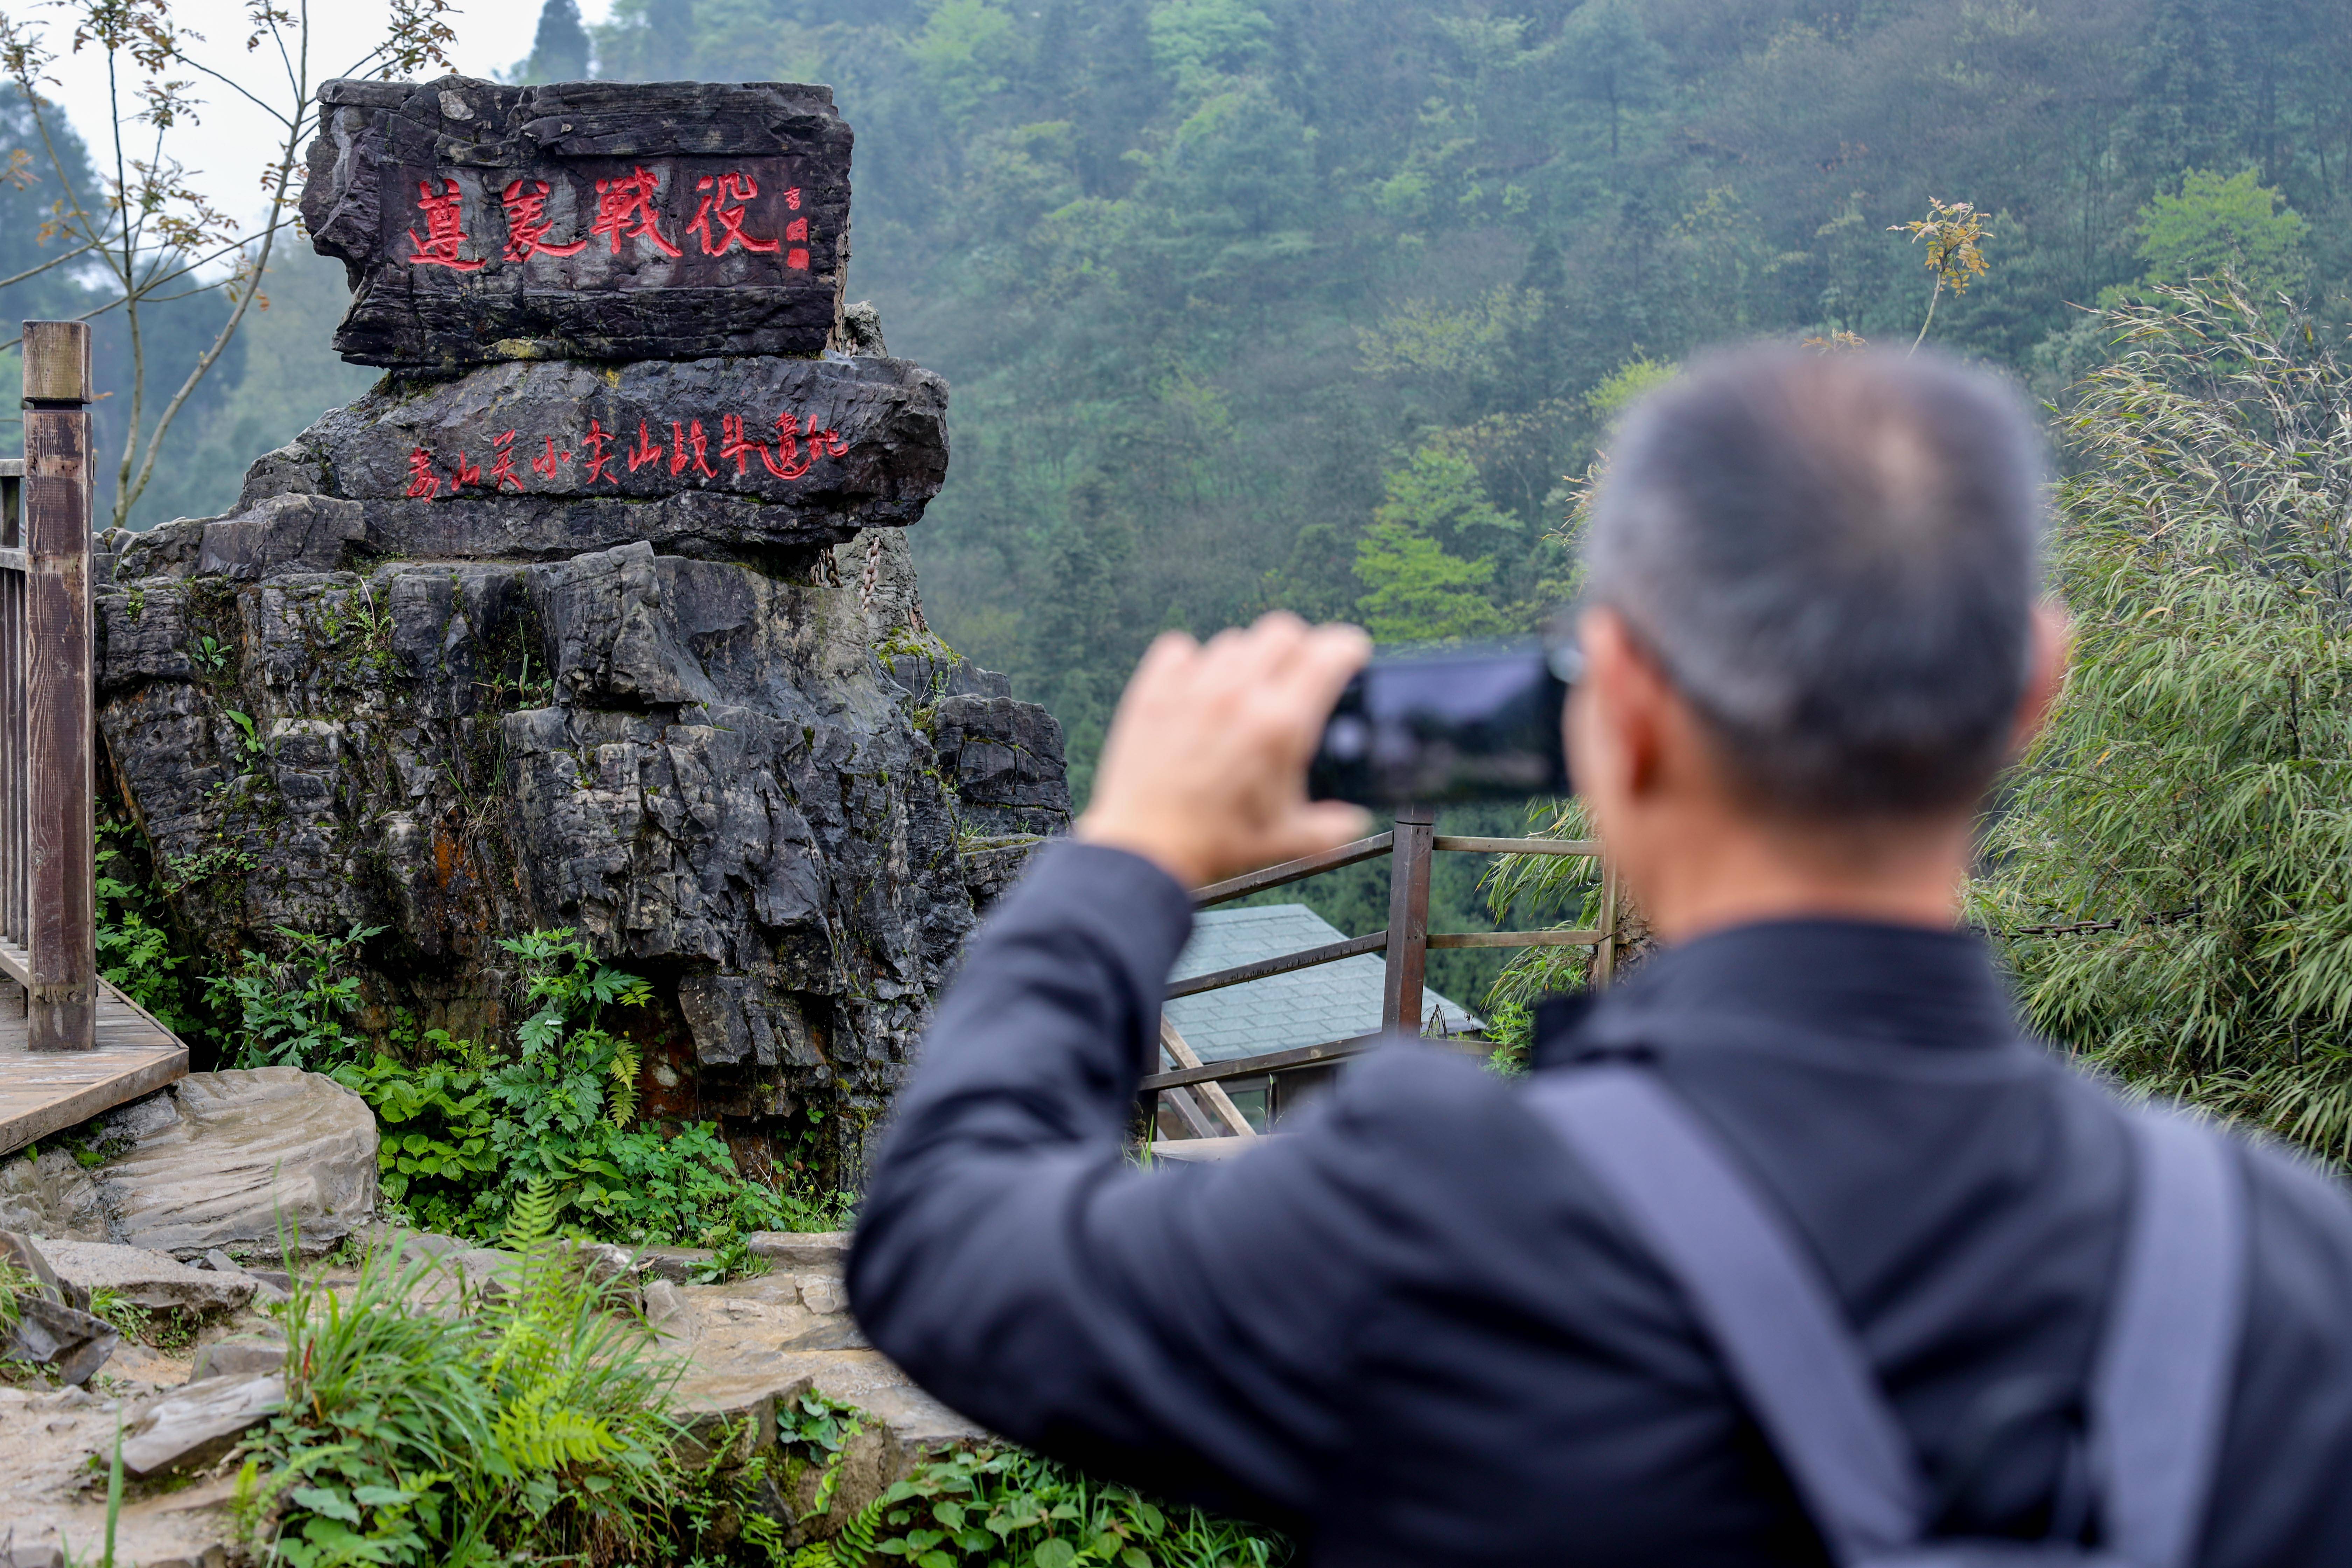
<point>1812,584</point>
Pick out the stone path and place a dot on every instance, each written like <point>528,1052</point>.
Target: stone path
<point>752,1343</point>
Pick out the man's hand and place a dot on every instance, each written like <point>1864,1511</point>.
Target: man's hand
<point>1204,771</point>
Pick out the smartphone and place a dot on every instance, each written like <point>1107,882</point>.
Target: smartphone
<point>1448,725</point>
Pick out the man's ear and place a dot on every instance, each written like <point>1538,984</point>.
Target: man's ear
<point>2045,675</point>
<point>1617,713</point>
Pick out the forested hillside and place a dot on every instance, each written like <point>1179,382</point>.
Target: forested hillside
<point>1315,303</point>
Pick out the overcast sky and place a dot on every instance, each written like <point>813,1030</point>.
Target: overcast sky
<point>226,152</point>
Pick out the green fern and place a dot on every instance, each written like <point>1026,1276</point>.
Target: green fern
<point>854,1547</point>
<point>623,1104</point>
<point>530,1437</point>
<point>533,1219</point>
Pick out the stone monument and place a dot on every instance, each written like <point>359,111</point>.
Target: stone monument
<point>595,612</point>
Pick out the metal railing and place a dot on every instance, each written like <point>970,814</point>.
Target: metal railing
<point>1411,847</point>
<point>47,898</point>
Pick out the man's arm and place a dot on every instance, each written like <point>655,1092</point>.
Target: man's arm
<point>1185,1322</point>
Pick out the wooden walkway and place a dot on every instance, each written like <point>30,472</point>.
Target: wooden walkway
<point>48,1091</point>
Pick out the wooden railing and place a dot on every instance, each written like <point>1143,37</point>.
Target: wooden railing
<point>47,914</point>
<point>1411,847</point>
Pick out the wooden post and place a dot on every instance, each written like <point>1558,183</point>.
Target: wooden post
<point>1604,952</point>
<point>62,954</point>
<point>1408,949</point>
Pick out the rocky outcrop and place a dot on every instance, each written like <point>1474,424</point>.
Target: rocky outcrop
<point>738,764</point>
<point>745,1351</point>
<point>596,613</point>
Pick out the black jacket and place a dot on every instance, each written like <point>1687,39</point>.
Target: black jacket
<point>1412,1330</point>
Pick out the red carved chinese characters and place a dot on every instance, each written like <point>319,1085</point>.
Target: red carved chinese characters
<point>423,484</point>
<point>445,228</point>
<point>732,444</point>
<point>646,450</point>
<point>528,224</point>
<point>592,447</point>
<point>796,258</point>
<point>799,444</point>
<point>717,191</point>
<point>622,203</point>
<point>502,471</point>
<point>689,445</point>
<point>627,208</point>
<point>788,463</point>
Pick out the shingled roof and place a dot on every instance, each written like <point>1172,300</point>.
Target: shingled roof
<point>1305,1008</point>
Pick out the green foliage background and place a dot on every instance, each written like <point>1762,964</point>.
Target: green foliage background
<point>1317,303</point>
<point>2168,876</point>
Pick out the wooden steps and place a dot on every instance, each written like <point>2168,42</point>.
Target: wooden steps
<point>47,1092</point>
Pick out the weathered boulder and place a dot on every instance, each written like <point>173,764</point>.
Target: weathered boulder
<point>240,1357</point>
<point>235,1160</point>
<point>49,1194</point>
<point>595,615</point>
<point>190,1427</point>
<point>702,765</point>
<point>588,219</point>
<point>148,1279</point>
<point>716,459</point>
<point>49,1325</point>
<point>1006,761</point>
<point>802,1250</point>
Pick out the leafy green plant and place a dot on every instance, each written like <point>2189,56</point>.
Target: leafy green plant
<point>135,949</point>
<point>254,745</point>
<point>2168,878</point>
<point>435,1154</point>
<point>209,653</point>
<point>533,1425</point>
<point>468,1132</point>
<point>1955,233</point>
<point>129,1319</point>
<point>290,1011</point>
<point>566,1063</point>
<point>1007,1506</point>
<point>732,1257</point>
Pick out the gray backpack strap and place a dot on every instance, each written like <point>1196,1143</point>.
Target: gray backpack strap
<point>2159,1394</point>
<point>1761,1300</point>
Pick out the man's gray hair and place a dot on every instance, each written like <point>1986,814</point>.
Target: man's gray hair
<point>1835,559</point>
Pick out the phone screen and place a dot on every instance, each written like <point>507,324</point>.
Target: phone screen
<point>1448,726</point>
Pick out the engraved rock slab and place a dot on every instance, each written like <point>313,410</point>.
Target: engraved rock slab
<point>597,220</point>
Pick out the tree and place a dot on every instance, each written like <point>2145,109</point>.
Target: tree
<point>2235,225</point>
<point>1612,61</point>
<point>140,225</point>
<point>1439,494</point>
<point>1319,580</point>
<point>1954,234</point>
<point>2169,884</point>
<point>1418,593</point>
<point>560,50</point>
